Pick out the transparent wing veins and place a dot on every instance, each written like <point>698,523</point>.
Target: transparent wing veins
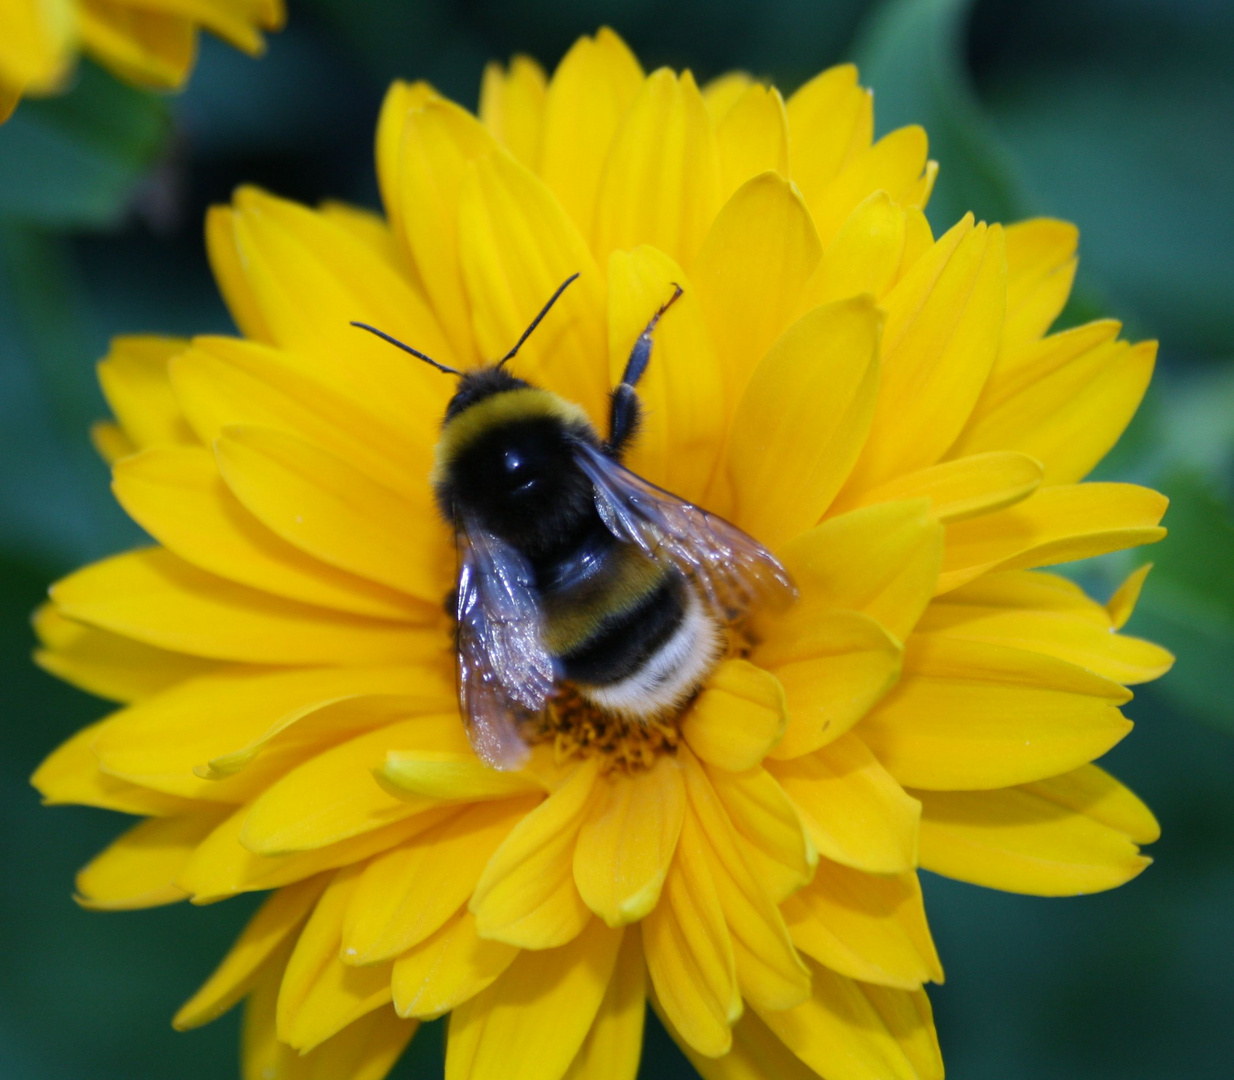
<point>505,673</point>
<point>733,571</point>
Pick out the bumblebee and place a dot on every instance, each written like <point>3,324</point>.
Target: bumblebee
<point>572,568</point>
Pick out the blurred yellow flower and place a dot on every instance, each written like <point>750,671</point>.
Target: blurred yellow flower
<point>882,408</point>
<point>147,42</point>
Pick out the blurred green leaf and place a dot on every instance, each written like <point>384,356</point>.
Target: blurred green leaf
<point>54,501</point>
<point>1182,443</point>
<point>912,53</point>
<point>73,161</point>
<point>1188,602</point>
<point>1134,145</point>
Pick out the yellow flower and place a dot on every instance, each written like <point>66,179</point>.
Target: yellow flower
<point>147,42</point>
<point>882,408</point>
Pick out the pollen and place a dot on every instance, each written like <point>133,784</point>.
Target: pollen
<point>578,729</point>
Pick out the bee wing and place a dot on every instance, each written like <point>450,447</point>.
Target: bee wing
<point>505,673</point>
<point>733,570</point>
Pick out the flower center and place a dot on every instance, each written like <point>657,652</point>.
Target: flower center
<point>578,729</point>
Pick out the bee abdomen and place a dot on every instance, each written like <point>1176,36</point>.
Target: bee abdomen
<point>648,657</point>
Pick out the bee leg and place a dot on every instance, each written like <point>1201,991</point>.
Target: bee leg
<point>624,413</point>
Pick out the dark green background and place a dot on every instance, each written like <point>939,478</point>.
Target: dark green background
<point>1118,114</point>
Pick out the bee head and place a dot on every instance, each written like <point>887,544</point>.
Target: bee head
<point>475,386</point>
<point>507,456</point>
<point>506,447</point>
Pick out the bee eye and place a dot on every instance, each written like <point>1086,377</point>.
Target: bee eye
<point>513,462</point>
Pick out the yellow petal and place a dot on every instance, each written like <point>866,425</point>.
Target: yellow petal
<point>162,601</point>
<point>755,1054</point>
<point>364,1050</point>
<point>301,731</point>
<point>968,715</point>
<point>531,1022</point>
<point>110,442</point>
<point>38,47</point>
<point>1066,403</point>
<point>864,257</point>
<point>108,665</point>
<point>9,96</point>
<point>227,381</point>
<point>1039,838</point>
<point>854,812</point>
<point>367,1049</point>
<point>439,139</point>
<point>332,797</point>
<point>802,420</point>
<point>895,164</point>
<point>614,1044</point>
<point>759,253</point>
<point>841,1033</point>
<point>334,512</point>
<point>1022,590</point>
<point>770,833</point>
<point>512,106</point>
<point>310,276</point>
<point>738,718</point>
<point>752,137</point>
<point>1126,596</point>
<point>626,844</point>
<point>235,21</point>
<point>831,119</point>
<point>371,228</point>
<point>1055,524</point>
<point>139,869</point>
<point>721,92</point>
<point>165,742</point>
<point>450,777</point>
<point>401,99</point>
<point>689,950</point>
<point>661,180</point>
<point>145,47</point>
<point>409,893</point>
<point>1009,609</point>
<point>526,895</point>
<point>910,1020</point>
<point>320,995</point>
<point>939,343</point>
<point>70,774</point>
<point>882,561</point>
<point>273,924</point>
<point>769,974</point>
<point>918,240</point>
<point>517,246</point>
<point>916,194</point>
<point>339,275</point>
<point>1041,264</point>
<point>221,866</point>
<point>447,968</point>
<point>1093,792</point>
<point>178,497</point>
<point>866,926</point>
<point>966,487</point>
<point>261,1053</point>
<point>682,390</point>
<point>832,675</point>
<point>135,381</point>
<point>587,100</point>
<point>231,275</point>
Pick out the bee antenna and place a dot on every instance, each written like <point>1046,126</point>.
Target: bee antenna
<point>406,348</point>
<point>536,321</point>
